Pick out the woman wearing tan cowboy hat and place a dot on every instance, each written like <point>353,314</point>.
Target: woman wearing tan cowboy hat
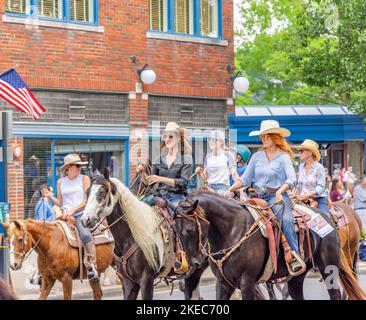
<point>71,196</point>
<point>272,173</point>
<point>173,168</point>
<point>311,181</point>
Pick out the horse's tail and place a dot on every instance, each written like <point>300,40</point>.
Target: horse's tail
<point>349,281</point>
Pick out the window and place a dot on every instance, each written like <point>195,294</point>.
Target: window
<point>200,18</point>
<point>50,8</point>
<point>17,6</point>
<point>159,15</point>
<point>209,18</point>
<point>183,14</point>
<point>85,11</point>
<point>82,10</point>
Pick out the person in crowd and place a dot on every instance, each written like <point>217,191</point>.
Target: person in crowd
<point>272,173</point>
<point>219,164</point>
<point>360,200</point>
<point>43,208</point>
<point>335,194</point>
<point>173,168</point>
<point>311,181</point>
<point>71,196</point>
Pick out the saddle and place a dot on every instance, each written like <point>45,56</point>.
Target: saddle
<point>100,236</point>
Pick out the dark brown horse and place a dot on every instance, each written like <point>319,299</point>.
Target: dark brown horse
<point>229,222</point>
<point>57,260</point>
<point>109,198</point>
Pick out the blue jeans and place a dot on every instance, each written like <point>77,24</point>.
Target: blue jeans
<point>323,204</point>
<point>219,188</point>
<point>84,233</point>
<point>174,199</point>
<point>286,218</point>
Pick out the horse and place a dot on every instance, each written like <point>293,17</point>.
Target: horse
<point>245,263</point>
<point>57,260</point>
<point>133,222</point>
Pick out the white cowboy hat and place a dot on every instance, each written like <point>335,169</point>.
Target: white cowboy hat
<point>171,127</point>
<point>73,158</point>
<point>271,126</point>
<point>311,146</point>
<point>217,134</point>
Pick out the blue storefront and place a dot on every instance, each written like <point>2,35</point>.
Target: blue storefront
<point>340,133</point>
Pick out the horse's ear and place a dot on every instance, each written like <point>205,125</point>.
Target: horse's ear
<point>17,224</point>
<point>106,173</point>
<point>195,205</point>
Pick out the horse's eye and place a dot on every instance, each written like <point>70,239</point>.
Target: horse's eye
<point>20,240</point>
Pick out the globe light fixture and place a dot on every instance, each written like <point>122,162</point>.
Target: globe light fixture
<point>145,74</point>
<point>240,83</point>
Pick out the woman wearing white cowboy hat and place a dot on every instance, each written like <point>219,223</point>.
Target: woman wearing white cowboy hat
<point>173,168</point>
<point>311,181</point>
<point>219,164</point>
<point>273,174</point>
<point>71,196</point>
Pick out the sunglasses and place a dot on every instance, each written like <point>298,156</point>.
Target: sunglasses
<point>213,140</point>
<point>264,136</point>
<point>77,165</point>
<point>168,136</point>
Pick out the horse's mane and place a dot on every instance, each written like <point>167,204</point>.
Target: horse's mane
<point>143,223</point>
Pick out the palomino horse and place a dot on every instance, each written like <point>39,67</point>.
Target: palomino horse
<point>109,198</point>
<point>57,260</point>
<point>242,256</point>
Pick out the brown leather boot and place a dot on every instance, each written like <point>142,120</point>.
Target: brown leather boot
<point>90,260</point>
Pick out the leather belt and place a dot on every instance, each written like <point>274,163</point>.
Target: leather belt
<point>270,190</point>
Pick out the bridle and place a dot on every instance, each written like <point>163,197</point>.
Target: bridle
<point>24,254</point>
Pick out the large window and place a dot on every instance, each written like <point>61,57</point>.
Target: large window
<point>200,18</point>
<point>82,11</point>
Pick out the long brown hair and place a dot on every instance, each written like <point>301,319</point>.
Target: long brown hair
<point>281,143</point>
<point>184,145</point>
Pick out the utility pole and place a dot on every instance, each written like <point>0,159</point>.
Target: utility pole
<point>6,133</point>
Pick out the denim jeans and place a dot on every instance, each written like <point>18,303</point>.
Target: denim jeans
<point>286,218</point>
<point>174,199</point>
<point>323,204</point>
<point>219,188</point>
<point>85,234</point>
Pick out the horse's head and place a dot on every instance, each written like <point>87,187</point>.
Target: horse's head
<point>192,227</point>
<point>20,242</point>
<point>101,200</point>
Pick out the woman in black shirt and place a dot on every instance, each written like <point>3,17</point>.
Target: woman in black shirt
<point>173,167</point>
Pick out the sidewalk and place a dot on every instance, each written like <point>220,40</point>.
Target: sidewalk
<point>83,291</point>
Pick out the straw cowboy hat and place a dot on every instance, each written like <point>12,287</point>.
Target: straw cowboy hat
<point>312,146</point>
<point>73,158</point>
<point>271,126</point>
<point>171,127</point>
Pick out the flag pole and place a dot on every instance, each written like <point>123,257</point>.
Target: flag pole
<point>15,66</point>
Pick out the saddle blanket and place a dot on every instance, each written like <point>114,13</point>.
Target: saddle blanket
<point>99,236</point>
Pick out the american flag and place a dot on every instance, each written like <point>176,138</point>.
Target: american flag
<point>14,90</point>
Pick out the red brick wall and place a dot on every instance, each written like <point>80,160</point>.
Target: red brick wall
<point>16,183</point>
<point>59,58</point>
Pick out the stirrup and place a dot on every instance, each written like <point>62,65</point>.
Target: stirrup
<point>296,259</point>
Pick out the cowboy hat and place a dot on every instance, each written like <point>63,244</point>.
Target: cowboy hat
<point>171,127</point>
<point>73,158</point>
<point>271,126</point>
<point>217,135</point>
<point>312,146</point>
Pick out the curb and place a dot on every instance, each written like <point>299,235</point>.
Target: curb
<point>117,289</point>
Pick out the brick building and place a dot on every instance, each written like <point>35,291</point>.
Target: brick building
<point>75,56</point>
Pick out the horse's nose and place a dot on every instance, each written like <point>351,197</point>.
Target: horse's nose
<point>89,222</point>
<point>15,266</point>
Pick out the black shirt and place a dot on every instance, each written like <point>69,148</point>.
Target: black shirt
<point>180,170</point>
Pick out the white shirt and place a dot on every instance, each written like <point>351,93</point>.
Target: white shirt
<point>218,167</point>
<point>72,192</point>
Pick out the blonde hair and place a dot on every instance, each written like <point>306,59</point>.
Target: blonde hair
<point>281,143</point>
<point>65,170</point>
<point>184,145</point>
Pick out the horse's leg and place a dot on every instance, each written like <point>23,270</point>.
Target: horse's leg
<point>249,288</point>
<point>67,286</point>
<point>295,287</point>
<point>284,291</point>
<point>130,289</point>
<point>332,285</point>
<point>270,289</point>
<point>223,290</point>
<point>191,288</point>
<point>147,286</point>
<point>97,290</point>
<point>46,286</point>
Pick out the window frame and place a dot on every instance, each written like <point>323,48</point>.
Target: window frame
<point>196,21</point>
<point>66,13</point>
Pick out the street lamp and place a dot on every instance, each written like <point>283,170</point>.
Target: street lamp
<point>145,74</point>
<point>240,83</point>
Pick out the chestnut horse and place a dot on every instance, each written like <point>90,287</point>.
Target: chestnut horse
<point>57,260</point>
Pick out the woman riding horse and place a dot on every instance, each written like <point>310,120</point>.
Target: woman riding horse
<point>71,196</point>
<point>311,180</point>
<point>273,174</point>
<point>173,167</point>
